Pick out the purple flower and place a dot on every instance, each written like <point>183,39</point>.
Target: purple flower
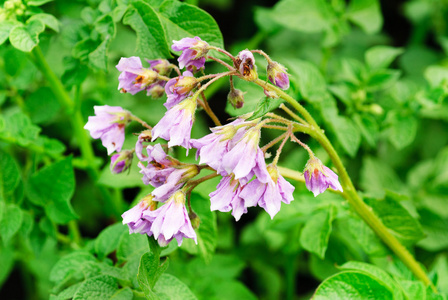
<point>175,126</point>
<point>108,125</point>
<point>227,197</point>
<point>212,147</point>
<point>133,217</point>
<point>144,136</point>
<point>245,63</point>
<point>268,195</point>
<point>134,78</point>
<point>194,50</point>
<point>318,177</point>
<point>246,158</point>
<point>171,221</point>
<point>120,162</point>
<point>179,88</point>
<point>277,75</point>
<point>163,173</point>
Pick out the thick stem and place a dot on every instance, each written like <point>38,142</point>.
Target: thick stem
<point>366,213</point>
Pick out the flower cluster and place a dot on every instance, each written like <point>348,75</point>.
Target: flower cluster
<point>232,151</point>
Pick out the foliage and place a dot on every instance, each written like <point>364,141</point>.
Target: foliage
<point>379,96</point>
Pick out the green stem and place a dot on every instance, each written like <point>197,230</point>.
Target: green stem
<point>366,213</point>
<point>350,193</point>
<point>290,100</point>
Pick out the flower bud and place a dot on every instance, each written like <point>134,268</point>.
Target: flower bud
<point>190,172</point>
<point>277,75</point>
<point>162,66</point>
<point>318,177</point>
<point>156,91</point>
<point>236,98</point>
<point>245,63</point>
<point>121,161</point>
<point>194,219</point>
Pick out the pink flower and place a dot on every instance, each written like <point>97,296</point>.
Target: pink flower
<point>133,217</point>
<point>212,147</point>
<point>108,125</point>
<point>171,221</point>
<point>227,197</point>
<point>120,162</point>
<point>246,159</point>
<point>318,177</point>
<point>175,126</point>
<point>179,88</point>
<point>194,50</point>
<point>268,195</point>
<point>163,173</point>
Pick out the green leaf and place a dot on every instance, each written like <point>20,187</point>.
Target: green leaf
<point>376,176</point>
<point>123,294</point>
<point>105,25</point>
<point>42,105</point>
<point>310,81</point>
<point>19,129</point>
<point>37,2</point>
<point>52,187</point>
<point>352,285</point>
<point>131,246</point>
<point>380,275</point>
<point>264,106</point>
<point>380,57</point>
<point>347,133</point>
<point>316,232</point>
<point>11,222</point>
<point>68,293</point>
<point>151,39</point>
<point>436,75</point>
<point>397,219</point>
<point>207,232</point>
<point>366,14</point>
<point>368,127</point>
<point>403,129</point>
<point>233,289</point>
<point>48,20</point>
<point>70,265</point>
<point>149,272</point>
<point>75,72</point>
<point>98,57</point>
<point>169,287</point>
<point>303,15</point>
<point>5,28</point>
<point>382,79</point>
<point>99,287</point>
<point>182,20</point>
<point>366,238</point>
<point>26,37</point>
<point>10,175</point>
<point>435,229</point>
<point>107,240</point>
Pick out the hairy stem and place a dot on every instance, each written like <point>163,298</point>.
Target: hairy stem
<point>350,193</point>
